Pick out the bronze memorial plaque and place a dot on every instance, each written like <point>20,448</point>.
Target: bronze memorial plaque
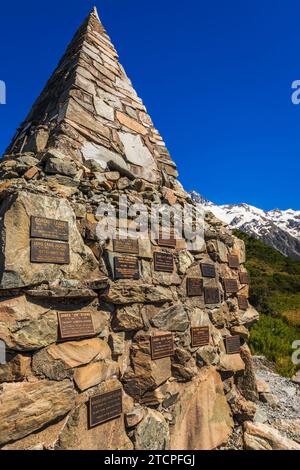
<point>162,346</point>
<point>46,251</point>
<point>194,286</point>
<point>104,407</point>
<point>208,270</point>
<point>231,286</point>
<point>167,239</point>
<point>243,302</point>
<point>233,261</point>
<point>244,277</point>
<point>163,262</point>
<point>126,267</point>
<point>233,344</point>
<point>75,324</point>
<point>211,295</point>
<point>128,245</point>
<point>41,227</point>
<point>200,336</point>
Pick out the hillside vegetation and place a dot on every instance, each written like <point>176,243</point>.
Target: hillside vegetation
<point>275,293</point>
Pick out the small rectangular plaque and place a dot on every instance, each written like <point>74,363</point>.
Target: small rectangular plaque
<point>52,229</point>
<point>211,295</point>
<point>163,262</point>
<point>75,324</point>
<point>104,407</point>
<point>126,267</point>
<point>194,286</point>
<point>233,261</point>
<point>162,346</point>
<point>244,277</point>
<point>231,286</point>
<point>200,336</point>
<point>165,240</point>
<point>129,245</point>
<point>45,251</point>
<point>208,270</point>
<point>233,344</point>
<point>243,302</point>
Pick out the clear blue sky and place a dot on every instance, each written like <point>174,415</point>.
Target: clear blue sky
<point>215,76</point>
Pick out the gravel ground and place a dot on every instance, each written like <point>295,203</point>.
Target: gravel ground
<point>286,405</point>
<point>286,391</point>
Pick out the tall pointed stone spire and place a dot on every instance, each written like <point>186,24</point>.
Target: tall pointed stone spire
<point>88,313</point>
<point>89,110</point>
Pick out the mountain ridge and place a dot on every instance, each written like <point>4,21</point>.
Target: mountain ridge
<point>277,228</point>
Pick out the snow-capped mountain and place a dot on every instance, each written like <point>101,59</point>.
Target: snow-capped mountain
<point>276,228</point>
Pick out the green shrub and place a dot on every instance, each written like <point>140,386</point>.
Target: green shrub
<point>274,290</point>
<point>273,337</point>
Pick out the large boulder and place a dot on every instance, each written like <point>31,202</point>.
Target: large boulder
<point>128,318</point>
<point>242,409</point>
<point>27,326</point>
<point>152,433</point>
<point>58,360</point>
<point>259,436</point>
<point>44,439</point>
<point>56,162</point>
<point>124,292</point>
<point>246,382</point>
<point>111,435</point>
<point>16,270</point>
<point>231,363</point>
<point>95,373</point>
<point>248,317</point>
<point>173,318</point>
<point>145,375</point>
<point>202,416</point>
<point>26,407</point>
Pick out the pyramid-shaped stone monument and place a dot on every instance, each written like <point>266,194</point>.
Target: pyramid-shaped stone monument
<point>114,339</point>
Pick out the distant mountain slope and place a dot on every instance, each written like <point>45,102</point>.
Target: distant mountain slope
<point>278,229</point>
<point>275,292</point>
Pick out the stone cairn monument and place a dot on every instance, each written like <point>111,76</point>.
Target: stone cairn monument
<point>114,342</point>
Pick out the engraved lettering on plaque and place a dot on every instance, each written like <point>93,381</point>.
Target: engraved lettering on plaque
<point>244,277</point>
<point>231,286</point>
<point>233,261</point>
<point>165,239</point>
<point>105,407</point>
<point>52,229</point>
<point>233,344</point>
<point>194,286</point>
<point>243,302</point>
<point>211,295</point>
<point>126,267</point>
<point>43,251</point>
<point>208,270</point>
<point>75,324</point>
<point>200,336</point>
<point>129,245</point>
<point>162,346</point>
<point>163,262</point>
